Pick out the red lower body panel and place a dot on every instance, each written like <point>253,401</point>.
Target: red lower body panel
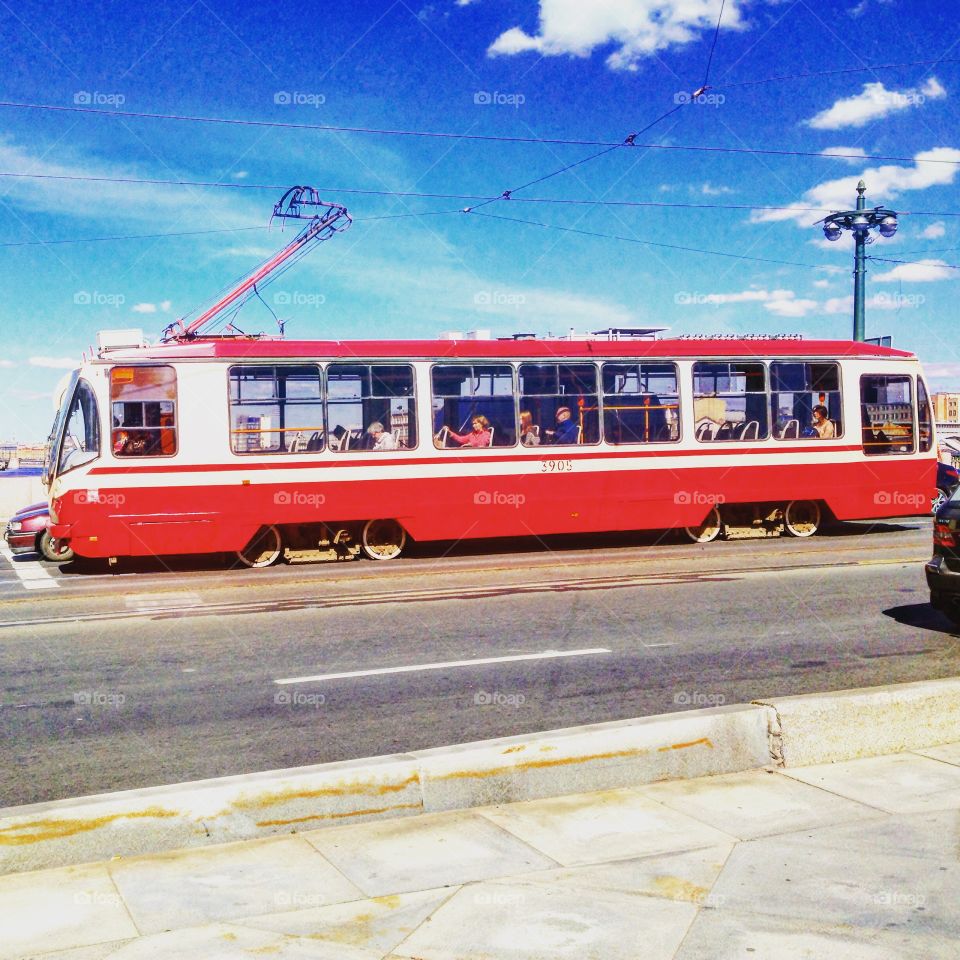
<point>223,517</point>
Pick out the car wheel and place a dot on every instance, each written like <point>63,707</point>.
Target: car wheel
<point>939,500</point>
<point>50,550</point>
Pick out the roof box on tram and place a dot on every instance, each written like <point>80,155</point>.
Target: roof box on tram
<point>120,339</point>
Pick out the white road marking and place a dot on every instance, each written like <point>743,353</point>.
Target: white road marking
<point>546,655</point>
<point>32,575</point>
<point>659,644</point>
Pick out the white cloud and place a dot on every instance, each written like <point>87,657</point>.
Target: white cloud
<point>874,102</point>
<point>791,307</point>
<point>849,154</point>
<point>939,371</point>
<point>6,364</point>
<point>887,181</point>
<point>821,283</point>
<point>879,301</point>
<point>708,190</point>
<point>144,308</point>
<point>922,271</point>
<point>165,305</point>
<point>934,231</point>
<point>638,28</point>
<point>55,363</point>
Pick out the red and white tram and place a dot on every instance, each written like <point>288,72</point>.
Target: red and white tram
<point>256,446</point>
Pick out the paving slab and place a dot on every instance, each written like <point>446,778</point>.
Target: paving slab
<point>677,876</point>
<point>720,935</point>
<point>378,924</point>
<point>757,803</point>
<point>505,921</point>
<point>900,783</point>
<point>61,909</point>
<point>948,753</point>
<point>225,941</point>
<point>807,876</point>
<point>607,825</point>
<point>190,887</point>
<point>436,850</point>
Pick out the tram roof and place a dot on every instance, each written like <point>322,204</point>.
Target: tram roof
<point>230,348</point>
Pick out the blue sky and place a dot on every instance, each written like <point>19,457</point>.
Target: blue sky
<point>556,69</point>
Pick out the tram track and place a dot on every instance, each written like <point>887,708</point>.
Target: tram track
<point>193,606</point>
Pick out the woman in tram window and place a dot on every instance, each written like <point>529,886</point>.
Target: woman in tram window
<point>824,428</point>
<point>529,432</point>
<point>480,436</point>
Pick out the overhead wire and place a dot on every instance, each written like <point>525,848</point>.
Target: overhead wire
<point>449,135</point>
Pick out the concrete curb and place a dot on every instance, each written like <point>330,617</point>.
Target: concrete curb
<point>794,731</point>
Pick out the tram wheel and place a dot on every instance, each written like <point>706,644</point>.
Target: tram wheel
<point>802,518</point>
<point>708,530</point>
<point>382,539</point>
<point>263,550</point>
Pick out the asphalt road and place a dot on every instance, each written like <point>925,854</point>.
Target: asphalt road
<point>149,675</point>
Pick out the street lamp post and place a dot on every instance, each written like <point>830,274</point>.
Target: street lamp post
<point>860,221</point>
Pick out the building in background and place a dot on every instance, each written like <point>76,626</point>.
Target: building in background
<point>946,407</point>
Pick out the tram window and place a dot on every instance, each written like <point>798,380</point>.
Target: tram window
<point>729,401</point>
<point>926,416</point>
<point>361,396</point>
<point>143,403</point>
<point>797,389</point>
<point>469,394</point>
<point>276,409</point>
<point>81,437</point>
<point>886,410</point>
<point>641,403</point>
<point>562,400</point>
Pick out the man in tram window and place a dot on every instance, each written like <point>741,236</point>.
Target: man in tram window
<point>382,439</point>
<point>822,425</point>
<point>566,430</point>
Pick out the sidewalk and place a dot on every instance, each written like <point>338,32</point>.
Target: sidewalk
<point>853,861</point>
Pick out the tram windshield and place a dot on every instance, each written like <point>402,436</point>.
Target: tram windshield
<point>76,433</point>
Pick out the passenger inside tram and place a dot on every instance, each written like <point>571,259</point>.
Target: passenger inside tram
<point>566,430</point>
<point>822,425</point>
<point>481,434</point>
<point>529,431</point>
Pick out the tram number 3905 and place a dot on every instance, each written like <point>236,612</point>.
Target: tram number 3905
<point>556,466</point>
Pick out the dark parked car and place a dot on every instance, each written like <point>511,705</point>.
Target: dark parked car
<point>27,533</point>
<point>943,569</point>
<point>948,479</point>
